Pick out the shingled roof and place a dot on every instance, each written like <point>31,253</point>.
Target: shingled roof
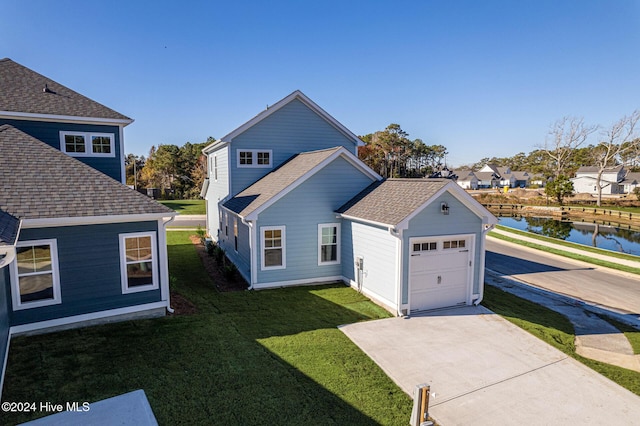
<point>9,227</point>
<point>26,91</point>
<point>258,194</point>
<point>390,201</point>
<point>40,182</point>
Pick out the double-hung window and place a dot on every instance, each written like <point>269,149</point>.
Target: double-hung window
<point>328,243</point>
<point>138,262</point>
<point>36,280</point>
<point>254,157</point>
<point>273,247</point>
<point>87,144</point>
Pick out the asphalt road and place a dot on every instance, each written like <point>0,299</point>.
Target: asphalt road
<point>601,286</point>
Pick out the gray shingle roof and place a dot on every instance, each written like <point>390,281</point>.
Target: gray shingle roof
<point>38,182</point>
<point>23,92</point>
<point>594,169</point>
<point>391,201</point>
<point>256,195</point>
<point>9,226</point>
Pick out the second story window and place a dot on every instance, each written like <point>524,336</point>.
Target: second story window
<point>254,158</point>
<point>87,144</point>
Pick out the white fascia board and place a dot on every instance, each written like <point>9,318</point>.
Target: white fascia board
<point>281,103</point>
<point>340,152</point>
<point>214,146</point>
<point>65,118</point>
<point>92,220</point>
<point>367,221</point>
<point>462,196</point>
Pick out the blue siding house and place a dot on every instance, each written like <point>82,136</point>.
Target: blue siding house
<point>77,246</point>
<point>290,203</point>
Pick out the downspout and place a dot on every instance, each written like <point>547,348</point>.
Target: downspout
<point>252,251</point>
<point>399,269</point>
<point>164,268</point>
<point>485,231</point>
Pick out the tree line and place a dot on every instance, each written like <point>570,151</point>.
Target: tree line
<point>179,172</point>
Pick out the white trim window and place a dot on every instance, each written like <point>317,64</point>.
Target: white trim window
<point>215,168</point>
<point>138,262</point>
<point>36,278</point>
<point>328,243</point>
<point>254,158</point>
<point>272,241</point>
<point>87,144</point>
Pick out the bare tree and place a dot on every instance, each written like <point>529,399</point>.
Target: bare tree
<point>618,140</point>
<point>565,135</point>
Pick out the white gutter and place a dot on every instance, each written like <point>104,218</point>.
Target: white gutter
<point>483,240</point>
<point>164,263</point>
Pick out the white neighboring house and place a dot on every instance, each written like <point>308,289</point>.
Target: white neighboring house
<point>467,179</point>
<point>631,181</point>
<point>611,180</point>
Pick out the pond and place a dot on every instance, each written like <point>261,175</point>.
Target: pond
<point>601,236</point>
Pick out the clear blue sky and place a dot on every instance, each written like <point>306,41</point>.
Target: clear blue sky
<point>483,78</point>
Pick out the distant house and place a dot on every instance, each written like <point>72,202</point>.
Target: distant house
<point>466,178</point>
<point>631,182</point>
<point>611,181</point>
<point>290,203</point>
<point>76,245</point>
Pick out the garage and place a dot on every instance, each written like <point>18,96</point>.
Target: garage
<point>440,271</point>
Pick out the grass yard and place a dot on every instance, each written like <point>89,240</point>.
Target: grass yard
<point>556,330</point>
<point>186,207</point>
<point>267,357</point>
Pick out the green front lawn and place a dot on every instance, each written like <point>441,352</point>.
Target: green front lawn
<point>186,207</point>
<point>267,357</point>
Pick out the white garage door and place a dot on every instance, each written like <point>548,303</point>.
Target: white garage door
<point>439,272</point>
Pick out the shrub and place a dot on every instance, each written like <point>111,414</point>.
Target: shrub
<point>229,271</point>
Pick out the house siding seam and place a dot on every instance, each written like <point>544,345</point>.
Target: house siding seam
<point>312,203</point>
<point>432,223</point>
<point>89,267</point>
<point>49,133</point>
<point>293,129</point>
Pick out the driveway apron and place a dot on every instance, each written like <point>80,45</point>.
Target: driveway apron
<point>484,370</point>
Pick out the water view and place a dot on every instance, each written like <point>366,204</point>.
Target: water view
<point>590,234</point>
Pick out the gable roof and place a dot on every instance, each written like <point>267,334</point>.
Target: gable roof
<point>393,202</point>
<point>27,94</point>
<point>632,177</point>
<point>296,95</point>
<point>257,197</point>
<point>40,182</point>
<point>594,169</point>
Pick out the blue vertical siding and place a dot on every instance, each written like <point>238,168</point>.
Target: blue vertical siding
<point>430,222</point>
<point>312,203</point>
<point>291,130</point>
<point>89,264</point>
<point>49,133</point>
<point>242,257</point>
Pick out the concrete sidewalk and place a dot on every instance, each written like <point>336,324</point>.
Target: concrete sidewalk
<point>484,370</point>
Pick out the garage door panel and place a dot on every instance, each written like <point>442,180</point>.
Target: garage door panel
<point>439,277</point>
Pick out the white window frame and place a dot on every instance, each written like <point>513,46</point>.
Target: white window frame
<point>123,263</point>
<point>88,146</point>
<point>215,168</point>
<point>55,272</point>
<point>329,225</point>
<point>254,158</point>
<point>283,247</point>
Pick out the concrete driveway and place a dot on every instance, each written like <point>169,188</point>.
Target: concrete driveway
<point>485,371</point>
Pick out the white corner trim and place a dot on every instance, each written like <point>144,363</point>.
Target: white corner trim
<point>26,328</point>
